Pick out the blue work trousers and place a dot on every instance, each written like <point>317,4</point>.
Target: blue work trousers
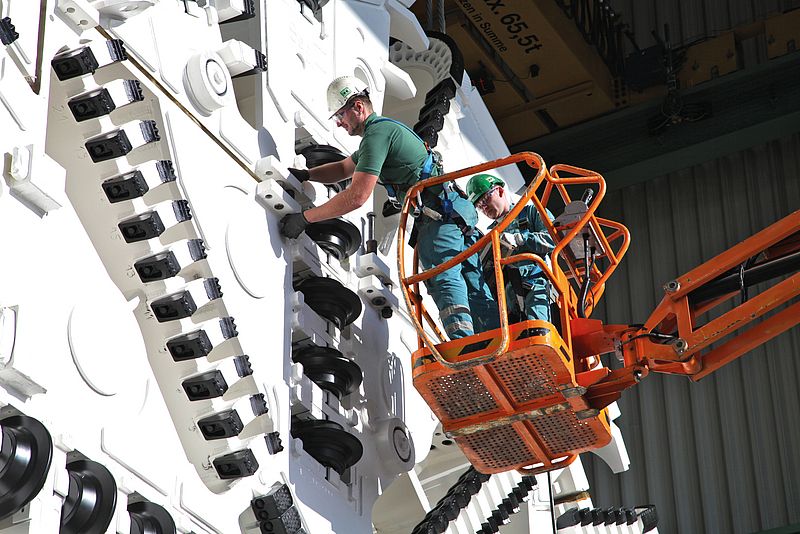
<point>536,301</point>
<point>465,303</point>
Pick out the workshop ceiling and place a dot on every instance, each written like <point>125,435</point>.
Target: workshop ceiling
<point>548,66</point>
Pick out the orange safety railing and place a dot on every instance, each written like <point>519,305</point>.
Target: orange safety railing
<point>583,176</point>
<point>510,398</point>
<point>552,181</point>
<point>513,398</point>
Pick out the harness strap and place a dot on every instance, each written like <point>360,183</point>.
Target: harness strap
<point>443,204</point>
<point>515,279</point>
<point>454,217</point>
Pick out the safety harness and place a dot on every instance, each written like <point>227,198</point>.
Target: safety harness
<point>435,207</point>
<point>513,276</point>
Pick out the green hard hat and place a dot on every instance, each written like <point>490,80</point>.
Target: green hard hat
<point>480,184</point>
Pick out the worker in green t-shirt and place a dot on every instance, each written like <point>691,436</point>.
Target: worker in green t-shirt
<point>392,153</point>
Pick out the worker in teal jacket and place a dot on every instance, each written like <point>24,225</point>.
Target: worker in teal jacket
<point>526,233</point>
<point>393,155</point>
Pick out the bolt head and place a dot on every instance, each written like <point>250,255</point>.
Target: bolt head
<point>672,286</point>
<point>402,445</point>
<point>216,77</point>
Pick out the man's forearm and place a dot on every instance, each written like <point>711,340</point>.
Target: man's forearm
<point>339,205</point>
<point>352,198</point>
<point>330,173</point>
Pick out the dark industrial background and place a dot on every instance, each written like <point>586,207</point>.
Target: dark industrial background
<point>691,110</point>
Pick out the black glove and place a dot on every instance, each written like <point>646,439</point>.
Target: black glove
<point>391,207</point>
<point>293,225</point>
<point>301,174</point>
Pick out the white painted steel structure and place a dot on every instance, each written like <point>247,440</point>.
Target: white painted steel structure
<point>87,344</point>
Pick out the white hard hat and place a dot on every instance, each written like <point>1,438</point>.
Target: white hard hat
<point>343,89</point>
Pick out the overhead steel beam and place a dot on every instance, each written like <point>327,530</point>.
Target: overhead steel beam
<point>750,107</point>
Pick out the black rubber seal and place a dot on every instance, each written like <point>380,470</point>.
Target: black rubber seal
<point>25,456</point>
<point>338,237</point>
<point>330,299</point>
<point>317,155</point>
<point>149,518</point>
<point>91,501</point>
<point>329,369</point>
<point>328,444</point>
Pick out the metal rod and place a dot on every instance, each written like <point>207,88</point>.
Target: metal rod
<point>749,277</point>
<point>552,503</point>
<point>371,246</point>
<point>742,344</point>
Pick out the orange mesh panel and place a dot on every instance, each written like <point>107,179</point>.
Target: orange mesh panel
<point>496,450</point>
<point>460,395</point>
<point>519,396</point>
<point>563,432</point>
<point>526,377</point>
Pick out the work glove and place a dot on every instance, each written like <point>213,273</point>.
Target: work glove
<point>302,175</point>
<point>293,225</point>
<point>514,238</point>
<point>507,244</point>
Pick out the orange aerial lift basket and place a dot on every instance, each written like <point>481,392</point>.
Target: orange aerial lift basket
<point>532,395</point>
<point>514,398</point>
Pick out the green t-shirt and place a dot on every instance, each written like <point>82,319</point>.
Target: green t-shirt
<point>391,152</point>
